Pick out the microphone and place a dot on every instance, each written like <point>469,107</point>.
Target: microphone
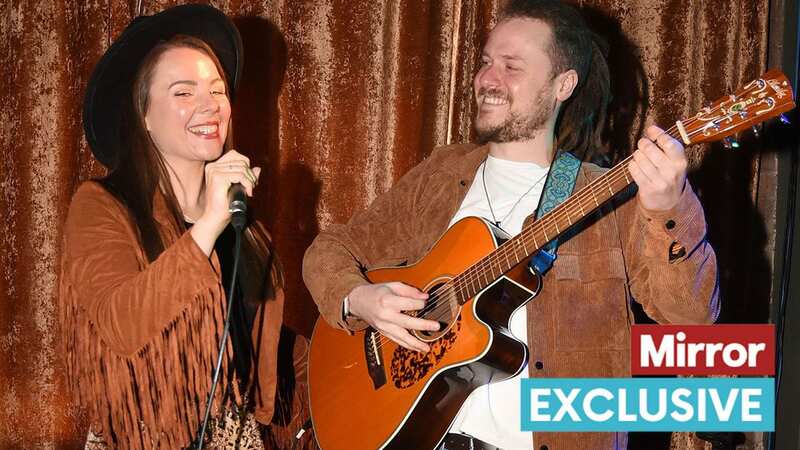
<point>238,206</point>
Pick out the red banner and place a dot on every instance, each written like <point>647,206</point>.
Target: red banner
<point>703,350</point>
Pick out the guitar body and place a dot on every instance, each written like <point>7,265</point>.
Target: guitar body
<point>368,392</point>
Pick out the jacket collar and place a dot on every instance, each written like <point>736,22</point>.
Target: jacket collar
<point>163,217</point>
<point>466,166</point>
<point>160,210</point>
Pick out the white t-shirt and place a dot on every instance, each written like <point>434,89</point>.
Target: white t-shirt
<point>492,412</point>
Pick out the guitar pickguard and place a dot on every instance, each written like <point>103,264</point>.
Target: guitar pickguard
<point>408,367</point>
<point>441,400</point>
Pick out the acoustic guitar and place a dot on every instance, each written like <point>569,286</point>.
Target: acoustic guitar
<point>367,392</point>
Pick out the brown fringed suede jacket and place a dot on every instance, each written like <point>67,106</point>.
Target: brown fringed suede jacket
<point>141,339</point>
<point>579,324</point>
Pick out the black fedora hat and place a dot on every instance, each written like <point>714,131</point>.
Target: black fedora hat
<point>111,82</point>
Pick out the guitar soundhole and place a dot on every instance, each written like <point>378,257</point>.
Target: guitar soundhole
<point>441,306</point>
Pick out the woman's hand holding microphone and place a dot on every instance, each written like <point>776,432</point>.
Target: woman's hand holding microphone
<point>230,168</point>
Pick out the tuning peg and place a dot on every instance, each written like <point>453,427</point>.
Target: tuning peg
<point>730,143</point>
<point>784,119</point>
<point>756,133</point>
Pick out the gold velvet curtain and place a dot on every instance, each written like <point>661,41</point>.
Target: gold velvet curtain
<point>339,99</point>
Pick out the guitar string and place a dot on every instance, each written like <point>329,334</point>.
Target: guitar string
<point>478,270</point>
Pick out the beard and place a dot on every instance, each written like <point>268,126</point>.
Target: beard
<point>516,126</point>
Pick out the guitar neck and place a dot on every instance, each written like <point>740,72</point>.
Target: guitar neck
<point>538,233</point>
<point>757,101</point>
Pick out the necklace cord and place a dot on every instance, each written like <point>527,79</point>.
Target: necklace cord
<point>510,211</point>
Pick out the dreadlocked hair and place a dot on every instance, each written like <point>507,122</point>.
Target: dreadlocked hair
<point>573,45</point>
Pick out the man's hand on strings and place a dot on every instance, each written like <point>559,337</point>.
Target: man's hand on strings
<point>382,306</point>
<point>659,169</point>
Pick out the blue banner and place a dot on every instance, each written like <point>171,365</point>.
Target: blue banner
<point>648,404</point>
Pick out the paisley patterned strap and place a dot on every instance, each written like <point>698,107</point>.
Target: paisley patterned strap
<point>558,187</point>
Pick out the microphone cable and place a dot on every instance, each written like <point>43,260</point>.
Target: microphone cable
<point>226,331</point>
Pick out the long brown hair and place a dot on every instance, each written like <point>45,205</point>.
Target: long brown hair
<point>582,118</point>
<point>142,169</point>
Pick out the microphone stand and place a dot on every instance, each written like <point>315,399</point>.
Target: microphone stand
<point>238,219</point>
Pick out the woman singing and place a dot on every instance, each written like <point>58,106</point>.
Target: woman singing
<point>148,250</point>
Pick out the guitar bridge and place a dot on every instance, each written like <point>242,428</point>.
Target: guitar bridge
<point>372,350</point>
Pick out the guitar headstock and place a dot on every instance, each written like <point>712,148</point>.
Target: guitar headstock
<point>761,99</point>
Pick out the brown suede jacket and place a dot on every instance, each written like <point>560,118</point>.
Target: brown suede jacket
<point>141,339</point>
<point>579,324</point>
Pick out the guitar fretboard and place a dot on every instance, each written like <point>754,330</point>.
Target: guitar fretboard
<point>538,233</point>
<point>757,101</point>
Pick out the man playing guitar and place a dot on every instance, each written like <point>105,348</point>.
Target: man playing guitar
<point>542,88</point>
